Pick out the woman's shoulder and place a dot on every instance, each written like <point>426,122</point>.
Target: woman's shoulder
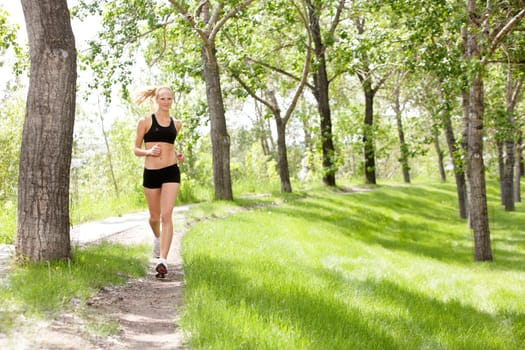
<point>145,121</point>
<point>177,122</point>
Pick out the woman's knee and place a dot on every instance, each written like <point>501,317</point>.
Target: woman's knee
<point>154,220</point>
<point>166,217</point>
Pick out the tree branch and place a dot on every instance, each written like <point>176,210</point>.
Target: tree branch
<point>213,19</point>
<point>191,20</point>
<point>337,16</point>
<point>229,15</point>
<point>278,70</point>
<point>507,28</point>
<point>251,92</point>
<point>306,69</point>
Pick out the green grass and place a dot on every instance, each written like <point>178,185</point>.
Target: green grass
<point>387,269</point>
<point>42,290</point>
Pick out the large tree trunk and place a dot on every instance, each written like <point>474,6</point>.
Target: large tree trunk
<point>368,135</point>
<point>478,191</point>
<point>321,88</point>
<point>478,213</point>
<point>220,140</point>
<point>47,139</point>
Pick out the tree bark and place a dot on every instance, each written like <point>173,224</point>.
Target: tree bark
<point>403,147</point>
<point>439,154</point>
<point>47,139</point>
<point>476,174</point>
<point>220,139</point>
<point>478,200</point>
<point>368,134</point>
<point>501,166</point>
<point>459,174</point>
<point>320,91</point>
<point>513,91</point>
<point>517,170</point>
<point>284,173</point>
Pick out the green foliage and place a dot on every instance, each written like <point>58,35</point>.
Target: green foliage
<point>11,125</point>
<point>8,41</point>
<point>386,269</point>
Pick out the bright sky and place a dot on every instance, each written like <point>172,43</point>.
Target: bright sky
<point>83,31</point>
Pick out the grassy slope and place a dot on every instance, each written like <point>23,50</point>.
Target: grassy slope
<point>386,269</point>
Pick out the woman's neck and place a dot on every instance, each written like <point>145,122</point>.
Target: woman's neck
<point>162,114</point>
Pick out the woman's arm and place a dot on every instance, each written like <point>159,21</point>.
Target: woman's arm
<point>142,127</point>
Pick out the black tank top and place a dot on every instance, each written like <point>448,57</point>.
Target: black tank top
<point>159,133</point>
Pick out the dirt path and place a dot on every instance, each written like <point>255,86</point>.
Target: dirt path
<point>143,313</point>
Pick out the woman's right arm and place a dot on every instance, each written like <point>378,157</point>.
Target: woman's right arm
<point>141,130</point>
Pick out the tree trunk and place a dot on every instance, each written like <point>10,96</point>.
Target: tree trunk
<point>321,88</point>
<point>368,135</point>
<point>513,90</point>
<point>108,149</point>
<point>459,174</point>
<point>263,133</point>
<point>501,166</point>
<point>47,139</point>
<point>518,171</point>
<point>508,176</point>
<point>403,147</point>
<point>476,168</point>
<point>455,155</point>
<point>439,154</point>
<point>284,173</point>
<point>478,200</point>
<point>220,140</point>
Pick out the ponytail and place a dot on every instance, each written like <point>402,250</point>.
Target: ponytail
<point>143,95</point>
<point>149,94</point>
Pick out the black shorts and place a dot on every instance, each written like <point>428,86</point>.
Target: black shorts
<point>154,178</point>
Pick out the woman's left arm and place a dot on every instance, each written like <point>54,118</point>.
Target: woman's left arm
<point>178,155</point>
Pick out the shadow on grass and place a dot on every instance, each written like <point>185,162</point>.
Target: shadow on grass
<point>419,220</point>
<point>370,314</point>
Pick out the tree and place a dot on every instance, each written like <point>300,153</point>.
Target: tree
<point>47,138</point>
<point>270,79</point>
<point>483,34</point>
<point>371,81</point>
<point>206,23</point>
<point>321,82</point>
<point>431,30</point>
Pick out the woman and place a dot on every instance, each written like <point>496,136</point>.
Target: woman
<point>161,178</point>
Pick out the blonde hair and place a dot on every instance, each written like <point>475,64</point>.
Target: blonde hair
<point>150,94</point>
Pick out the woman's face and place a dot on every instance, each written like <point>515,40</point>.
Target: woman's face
<point>164,99</point>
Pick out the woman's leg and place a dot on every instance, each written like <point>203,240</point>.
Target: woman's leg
<point>168,197</point>
<point>153,196</point>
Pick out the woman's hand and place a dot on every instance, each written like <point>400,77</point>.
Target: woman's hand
<point>180,157</point>
<point>154,151</point>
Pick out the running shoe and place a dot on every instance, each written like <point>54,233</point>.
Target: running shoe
<point>161,268</point>
<point>156,247</point>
